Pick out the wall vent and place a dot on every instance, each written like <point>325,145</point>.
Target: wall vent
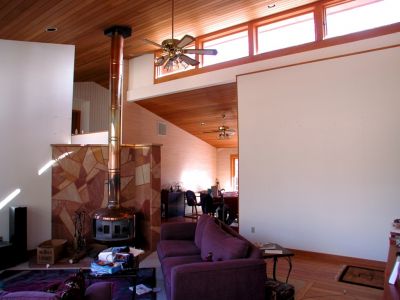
<point>161,128</point>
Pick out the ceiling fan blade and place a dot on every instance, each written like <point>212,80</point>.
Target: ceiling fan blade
<point>212,131</point>
<point>159,61</point>
<point>152,43</point>
<point>189,60</point>
<point>201,51</point>
<point>186,40</point>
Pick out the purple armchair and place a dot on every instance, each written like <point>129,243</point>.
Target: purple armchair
<point>206,260</point>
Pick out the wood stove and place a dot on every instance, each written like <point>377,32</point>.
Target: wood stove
<point>115,224</point>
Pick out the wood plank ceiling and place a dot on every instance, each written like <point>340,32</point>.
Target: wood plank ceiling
<point>200,111</point>
<point>81,23</point>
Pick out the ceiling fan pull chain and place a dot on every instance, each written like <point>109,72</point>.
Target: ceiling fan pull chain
<point>172,19</point>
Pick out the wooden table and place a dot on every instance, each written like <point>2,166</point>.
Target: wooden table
<point>391,291</point>
<point>285,253</point>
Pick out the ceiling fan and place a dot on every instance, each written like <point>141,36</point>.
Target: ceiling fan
<point>224,132</point>
<point>173,51</point>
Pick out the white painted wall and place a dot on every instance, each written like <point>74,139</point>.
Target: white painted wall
<point>323,174</point>
<point>36,103</point>
<point>185,159</point>
<point>84,107</point>
<point>90,138</point>
<point>141,87</point>
<point>95,117</point>
<point>224,167</point>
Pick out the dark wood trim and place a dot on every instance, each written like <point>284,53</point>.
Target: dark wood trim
<point>233,157</point>
<point>341,259</point>
<point>321,59</point>
<point>320,22</point>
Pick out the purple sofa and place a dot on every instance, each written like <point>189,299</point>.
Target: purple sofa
<point>73,288</point>
<point>97,291</point>
<point>209,260</point>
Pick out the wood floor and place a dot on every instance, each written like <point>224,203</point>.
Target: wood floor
<point>314,275</point>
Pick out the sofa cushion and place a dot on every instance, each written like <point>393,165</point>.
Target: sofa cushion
<point>99,291</point>
<point>201,223</point>
<point>28,295</point>
<point>221,245</point>
<point>170,262</point>
<point>96,291</point>
<point>168,248</point>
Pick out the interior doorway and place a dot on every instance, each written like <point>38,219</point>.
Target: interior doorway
<point>76,121</point>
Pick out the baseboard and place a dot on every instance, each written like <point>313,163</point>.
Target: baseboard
<point>340,259</point>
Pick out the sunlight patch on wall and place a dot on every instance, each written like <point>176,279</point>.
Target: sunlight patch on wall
<point>195,180</point>
<point>52,162</point>
<point>9,198</point>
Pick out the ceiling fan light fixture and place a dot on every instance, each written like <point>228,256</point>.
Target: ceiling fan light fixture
<point>224,136</point>
<point>169,65</point>
<point>224,132</point>
<point>173,50</point>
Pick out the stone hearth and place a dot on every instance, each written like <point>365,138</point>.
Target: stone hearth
<point>79,182</point>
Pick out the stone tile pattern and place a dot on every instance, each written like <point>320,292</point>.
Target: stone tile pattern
<point>79,183</point>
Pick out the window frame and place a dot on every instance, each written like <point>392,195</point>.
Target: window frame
<point>319,10</point>
<point>331,3</point>
<point>282,18</point>
<point>223,34</point>
<point>233,173</point>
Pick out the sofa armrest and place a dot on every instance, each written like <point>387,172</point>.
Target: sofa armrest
<point>231,279</point>
<point>178,231</point>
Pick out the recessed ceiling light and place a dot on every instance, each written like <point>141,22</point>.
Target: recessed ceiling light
<point>202,123</point>
<point>50,29</point>
<point>271,5</point>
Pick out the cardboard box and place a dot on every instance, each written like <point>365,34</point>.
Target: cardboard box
<point>50,251</point>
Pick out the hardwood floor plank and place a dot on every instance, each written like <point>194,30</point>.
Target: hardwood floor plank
<point>315,276</point>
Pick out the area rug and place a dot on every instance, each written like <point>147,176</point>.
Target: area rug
<point>63,263</point>
<point>39,280</point>
<point>363,276</point>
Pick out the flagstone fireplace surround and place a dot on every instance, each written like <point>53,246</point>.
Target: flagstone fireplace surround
<point>80,183</point>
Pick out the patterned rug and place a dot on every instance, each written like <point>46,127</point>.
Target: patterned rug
<point>40,280</point>
<point>363,276</point>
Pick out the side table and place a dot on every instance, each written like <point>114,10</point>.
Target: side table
<point>275,255</point>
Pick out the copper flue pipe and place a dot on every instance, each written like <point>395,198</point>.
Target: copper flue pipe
<point>117,34</point>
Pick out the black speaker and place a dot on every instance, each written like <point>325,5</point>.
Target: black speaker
<point>6,255</point>
<point>18,232</point>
